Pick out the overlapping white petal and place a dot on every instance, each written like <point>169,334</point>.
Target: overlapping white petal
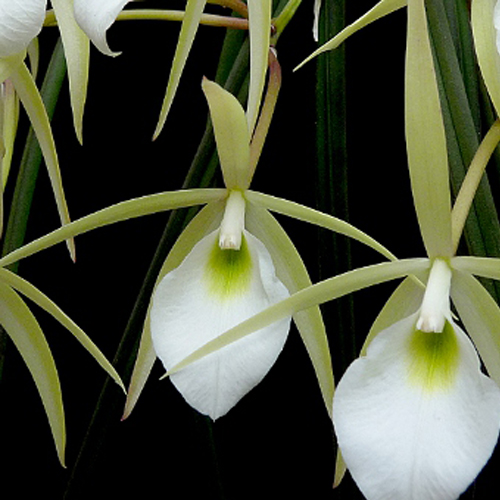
<point>415,418</point>
<point>210,292</point>
<point>20,22</point>
<point>95,17</point>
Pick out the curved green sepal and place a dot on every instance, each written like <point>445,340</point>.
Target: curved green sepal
<point>485,267</point>
<point>312,216</point>
<point>292,272</point>
<point>259,18</point>
<point>121,211</point>
<point>28,290</point>
<point>380,10</point>
<point>485,44</point>
<point>425,138</point>
<point>77,52</point>
<point>231,134</point>
<point>190,23</point>
<point>30,97</point>
<point>480,315</point>
<point>29,339</point>
<point>9,64</point>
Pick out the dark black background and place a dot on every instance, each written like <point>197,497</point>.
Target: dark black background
<point>278,440</point>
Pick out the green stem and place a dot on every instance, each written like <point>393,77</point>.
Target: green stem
<point>332,179</point>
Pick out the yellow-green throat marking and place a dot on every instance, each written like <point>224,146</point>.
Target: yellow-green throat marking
<point>434,358</point>
<point>229,272</point>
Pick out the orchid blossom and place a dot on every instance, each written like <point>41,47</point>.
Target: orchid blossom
<point>264,270</point>
<point>415,416</point>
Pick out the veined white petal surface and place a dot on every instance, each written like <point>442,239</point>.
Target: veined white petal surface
<point>95,17</point>
<point>415,418</point>
<point>20,22</point>
<point>210,292</point>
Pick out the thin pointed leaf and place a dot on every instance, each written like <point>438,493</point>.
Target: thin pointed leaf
<point>77,53</point>
<point>291,270</point>
<point>231,135</point>
<point>28,290</point>
<point>190,23</point>
<point>300,212</point>
<point>204,222</point>
<point>121,211</point>
<point>481,317</point>
<point>425,138</point>
<point>319,293</point>
<point>380,10</point>
<point>259,17</point>
<point>33,104</point>
<point>27,336</point>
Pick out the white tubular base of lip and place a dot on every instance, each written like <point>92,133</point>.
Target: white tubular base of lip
<point>436,302</point>
<point>233,222</point>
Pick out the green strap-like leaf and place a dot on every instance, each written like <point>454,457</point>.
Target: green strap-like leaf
<point>300,212</point>
<point>27,336</point>
<point>380,10</point>
<point>425,137</point>
<point>30,97</point>
<point>231,134</point>
<point>481,317</point>
<point>190,23</point>
<point>293,273</point>
<point>316,294</point>
<point>121,211</point>
<point>77,53</point>
<point>28,290</point>
<point>207,220</point>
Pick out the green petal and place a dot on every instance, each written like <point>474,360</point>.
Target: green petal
<point>121,211</point>
<point>486,267</point>
<point>425,138</point>
<point>28,290</point>
<point>404,301</point>
<point>319,293</point>
<point>481,317</point>
<point>190,23</point>
<point>30,97</point>
<point>300,212</point>
<point>380,10</point>
<point>291,270</point>
<point>207,220</point>
<point>27,336</point>
<point>77,53</point>
<point>231,134</point>
<point>9,64</point>
<point>485,43</point>
<point>259,17</point>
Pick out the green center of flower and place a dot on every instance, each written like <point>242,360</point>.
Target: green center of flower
<point>434,358</point>
<point>229,272</point>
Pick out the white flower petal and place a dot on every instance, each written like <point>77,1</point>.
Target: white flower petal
<point>95,17</point>
<point>205,296</point>
<point>409,427</point>
<point>20,22</point>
